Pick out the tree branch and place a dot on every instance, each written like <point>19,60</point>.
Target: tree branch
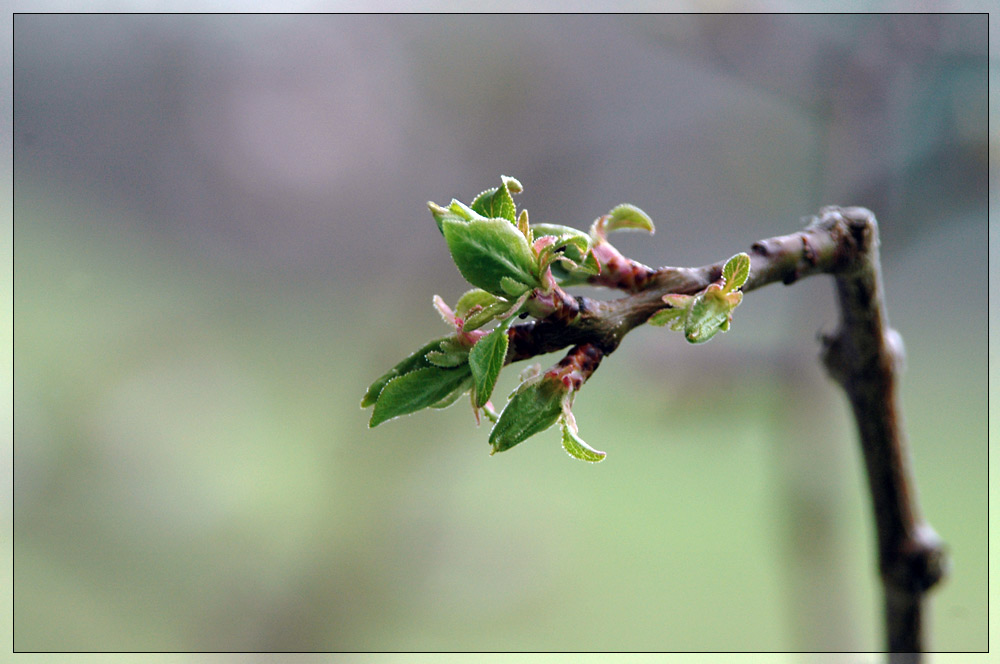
<point>864,356</point>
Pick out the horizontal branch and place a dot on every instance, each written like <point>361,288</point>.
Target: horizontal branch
<point>820,248</point>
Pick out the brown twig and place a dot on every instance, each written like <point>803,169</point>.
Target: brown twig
<point>864,356</point>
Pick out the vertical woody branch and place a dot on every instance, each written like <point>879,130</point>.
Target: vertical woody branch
<point>864,355</point>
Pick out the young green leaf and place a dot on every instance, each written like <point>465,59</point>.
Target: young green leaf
<point>497,203</point>
<point>736,272</point>
<point>440,213</point>
<point>573,246</point>
<point>476,297</point>
<point>447,359</point>
<point>622,217</point>
<point>486,250</point>
<point>456,211</point>
<point>710,312</point>
<point>463,211</point>
<point>512,184</point>
<point>562,234</point>
<point>464,387</point>
<point>575,447</point>
<point>534,407</point>
<point>525,227</point>
<point>415,391</point>
<point>417,360</point>
<point>486,359</point>
<point>673,317</point>
<point>484,316</point>
<point>570,256</point>
<point>704,319</point>
<point>513,287</point>
<point>590,265</point>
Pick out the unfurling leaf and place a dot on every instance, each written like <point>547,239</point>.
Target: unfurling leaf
<point>575,447</point>
<point>486,359</point>
<point>564,235</point>
<point>447,315</point>
<point>496,203</point>
<point>524,226</point>
<point>440,213</point>
<point>416,390</point>
<point>710,312</point>
<point>476,297</point>
<point>534,407</point>
<point>736,272</point>
<point>627,216</point>
<point>512,184</point>
<point>570,256</point>
<point>487,250</point>
<point>622,217</point>
<point>456,211</point>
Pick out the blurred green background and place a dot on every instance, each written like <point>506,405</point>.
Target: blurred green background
<point>220,239</point>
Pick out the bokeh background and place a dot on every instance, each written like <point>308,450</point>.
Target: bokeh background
<point>220,239</point>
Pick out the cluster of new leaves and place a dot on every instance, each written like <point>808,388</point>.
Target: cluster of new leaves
<point>702,315</point>
<point>516,268</point>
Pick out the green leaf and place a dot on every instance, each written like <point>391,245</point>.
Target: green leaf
<point>417,360</point>
<point>463,211</point>
<point>573,246</point>
<point>513,184</point>
<point>447,359</point>
<point>456,211</point>
<point>415,391</point>
<point>736,272</point>
<point>486,250</point>
<point>628,217</point>
<point>464,387</point>
<point>575,447</point>
<point>512,287</point>
<point>574,262</point>
<point>676,314</point>
<point>665,316</point>
<point>484,316</point>
<point>486,359</point>
<point>562,234</point>
<point>476,297</point>
<point>514,308</point>
<point>710,312</point>
<point>523,226</point>
<point>590,265</point>
<point>678,301</point>
<point>440,213</point>
<point>497,203</point>
<point>534,407</point>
